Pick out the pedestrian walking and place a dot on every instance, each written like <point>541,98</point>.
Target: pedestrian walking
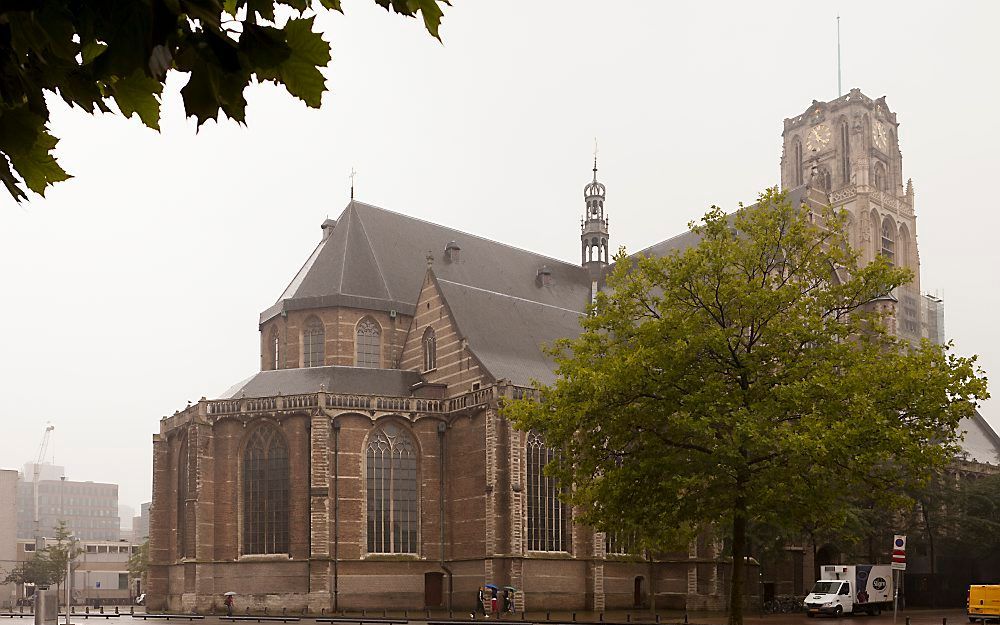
<point>480,603</point>
<point>229,604</point>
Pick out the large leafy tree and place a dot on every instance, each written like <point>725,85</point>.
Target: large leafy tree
<point>747,379</point>
<point>95,54</point>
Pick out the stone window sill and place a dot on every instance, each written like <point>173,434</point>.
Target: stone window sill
<point>264,557</point>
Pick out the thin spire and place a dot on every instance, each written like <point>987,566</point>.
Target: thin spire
<point>351,176</point>
<point>840,90</point>
<point>595,159</point>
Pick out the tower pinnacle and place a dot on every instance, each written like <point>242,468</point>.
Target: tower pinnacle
<point>594,225</point>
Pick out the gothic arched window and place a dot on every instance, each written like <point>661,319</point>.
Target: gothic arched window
<point>845,152</point>
<point>889,240</point>
<point>903,247</point>
<point>798,162</point>
<point>368,344</point>
<point>182,497</point>
<point>391,470</point>
<point>548,517</point>
<point>265,492</point>
<point>430,349</point>
<point>272,348</point>
<point>313,343</point>
<point>879,176</point>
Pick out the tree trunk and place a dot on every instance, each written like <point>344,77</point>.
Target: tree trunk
<point>739,565</point>
<point>930,552</point>
<point>652,588</point>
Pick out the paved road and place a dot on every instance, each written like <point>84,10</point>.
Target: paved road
<point>916,617</point>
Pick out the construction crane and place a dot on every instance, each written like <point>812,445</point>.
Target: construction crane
<point>37,470</point>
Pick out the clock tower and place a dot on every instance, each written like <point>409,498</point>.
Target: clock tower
<point>846,152</point>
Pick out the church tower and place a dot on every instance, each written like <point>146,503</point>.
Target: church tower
<point>846,152</point>
<point>594,228</point>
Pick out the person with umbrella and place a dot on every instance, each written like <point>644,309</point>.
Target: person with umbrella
<point>508,599</point>
<point>494,592</point>
<point>229,602</point>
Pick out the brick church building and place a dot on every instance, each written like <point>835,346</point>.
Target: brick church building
<point>366,465</point>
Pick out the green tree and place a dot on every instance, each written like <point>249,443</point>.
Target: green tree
<point>38,571</point>
<point>746,379</point>
<point>138,563</point>
<point>61,555</point>
<point>95,54</point>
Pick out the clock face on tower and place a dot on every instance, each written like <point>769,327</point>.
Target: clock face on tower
<point>879,135</point>
<point>818,137</point>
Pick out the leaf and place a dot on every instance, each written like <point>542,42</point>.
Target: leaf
<point>91,50</point>
<point>431,13</point>
<point>332,4</point>
<point>26,143</point>
<point>263,46</point>
<point>9,181</point>
<point>139,93</point>
<point>300,72</point>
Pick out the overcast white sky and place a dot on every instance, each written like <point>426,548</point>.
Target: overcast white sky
<point>136,286</point>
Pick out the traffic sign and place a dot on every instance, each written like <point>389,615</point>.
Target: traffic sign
<point>898,566</point>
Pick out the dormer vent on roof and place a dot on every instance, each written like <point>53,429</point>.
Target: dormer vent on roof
<point>452,252</point>
<point>544,276</point>
<point>328,227</point>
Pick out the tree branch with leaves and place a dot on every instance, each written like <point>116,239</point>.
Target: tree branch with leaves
<point>97,55</point>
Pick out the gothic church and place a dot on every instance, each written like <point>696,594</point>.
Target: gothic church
<point>366,464</point>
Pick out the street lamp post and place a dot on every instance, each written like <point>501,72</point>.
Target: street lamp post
<point>69,574</point>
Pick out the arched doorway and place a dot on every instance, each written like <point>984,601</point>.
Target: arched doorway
<point>638,592</point>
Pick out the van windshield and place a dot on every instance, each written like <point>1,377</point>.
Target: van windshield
<point>826,588</point>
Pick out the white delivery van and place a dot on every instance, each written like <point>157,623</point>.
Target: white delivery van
<point>851,588</point>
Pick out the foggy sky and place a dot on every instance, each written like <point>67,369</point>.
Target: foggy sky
<point>135,287</point>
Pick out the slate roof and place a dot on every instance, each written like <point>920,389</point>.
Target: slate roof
<point>508,333</point>
<point>333,379</point>
<point>376,259</point>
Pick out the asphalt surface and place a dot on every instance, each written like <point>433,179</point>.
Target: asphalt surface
<point>916,617</point>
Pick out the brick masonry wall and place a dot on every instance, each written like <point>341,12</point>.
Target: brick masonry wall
<point>339,331</point>
<point>483,523</point>
<point>456,366</point>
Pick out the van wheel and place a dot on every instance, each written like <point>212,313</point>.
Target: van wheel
<point>839,611</point>
<point>876,610</point>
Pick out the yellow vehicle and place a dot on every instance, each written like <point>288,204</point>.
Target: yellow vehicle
<point>984,603</point>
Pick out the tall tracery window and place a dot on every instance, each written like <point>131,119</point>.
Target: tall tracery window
<point>182,497</point>
<point>265,492</point>
<point>548,517</point>
<point>430,349</point>
<point>391,470</point>
<point>889,240</point>
<point>313,343</point>
<point>368,344</point>
<point>845,152</point>
<point>798,162</point>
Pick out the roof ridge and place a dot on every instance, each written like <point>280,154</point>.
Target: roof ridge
<point>371,248</point>
<point>463,232</point>
<point>508,296</point>
<point>347,238</point>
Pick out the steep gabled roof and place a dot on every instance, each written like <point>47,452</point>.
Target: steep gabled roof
<point>375,259</point>
<point>507,333</point>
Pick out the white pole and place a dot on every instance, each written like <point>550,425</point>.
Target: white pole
<point>69,583</point>
<point>895,595</point>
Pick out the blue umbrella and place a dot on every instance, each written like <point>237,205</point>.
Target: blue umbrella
<point>492,587</point>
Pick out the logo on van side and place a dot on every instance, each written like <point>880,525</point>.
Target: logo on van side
<point>878,583</point>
